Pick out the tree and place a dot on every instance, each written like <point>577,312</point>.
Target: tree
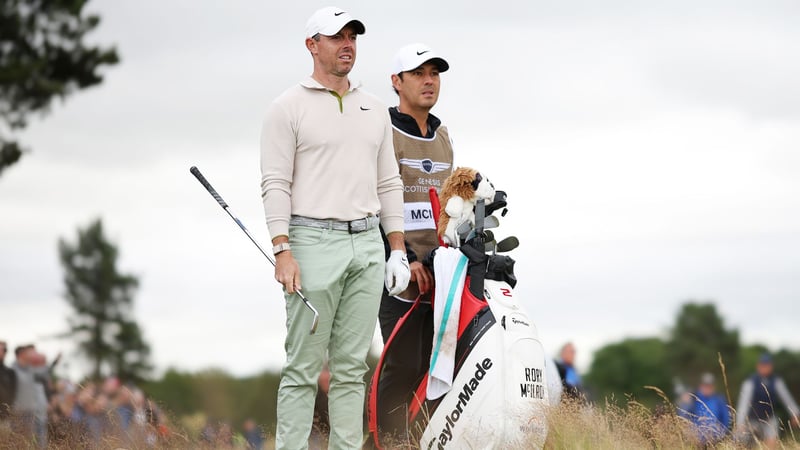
<point>175,392</point>
<point>102,299</point>
<point>626,369</point>
<point>131,360</point>
<point>698,340</point>
<point>43,57</point>
<point>216,394</point>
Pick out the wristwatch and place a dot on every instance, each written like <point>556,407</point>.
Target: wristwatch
<point>282,247</point>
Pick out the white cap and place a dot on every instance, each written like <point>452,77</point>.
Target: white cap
<point>414,55</point>
<point>330,20</point>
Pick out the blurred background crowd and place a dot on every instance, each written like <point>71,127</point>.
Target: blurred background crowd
<point>40,409</point>
<point>36,407</point>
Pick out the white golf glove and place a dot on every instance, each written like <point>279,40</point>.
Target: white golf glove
<point>397,272</point>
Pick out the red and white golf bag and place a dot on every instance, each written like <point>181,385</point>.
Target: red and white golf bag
<point>498,393</point>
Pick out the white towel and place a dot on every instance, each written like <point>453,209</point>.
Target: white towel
<point>450,271</point>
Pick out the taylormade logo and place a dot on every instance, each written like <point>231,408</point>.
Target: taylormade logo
<point>517,321</point>
<point>446,435</point>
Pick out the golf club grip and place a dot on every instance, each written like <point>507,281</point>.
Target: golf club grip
<point>196,172</point>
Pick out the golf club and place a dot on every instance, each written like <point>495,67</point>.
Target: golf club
<point>464,229</point>
<point>490,244</point>
<point>196,172</point>
<point>507,244</point>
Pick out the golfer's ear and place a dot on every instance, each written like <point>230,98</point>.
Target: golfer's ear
<point>311,45</point>
<point>395,81</point>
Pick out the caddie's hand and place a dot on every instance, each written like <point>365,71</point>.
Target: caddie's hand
<point>287,271</point>
<point>397,272</point>
<point>422,276</point>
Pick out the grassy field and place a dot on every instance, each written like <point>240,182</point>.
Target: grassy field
<point>572,425</point>
<point>634,426</point>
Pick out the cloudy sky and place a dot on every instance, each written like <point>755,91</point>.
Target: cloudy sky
<point>650,151</point>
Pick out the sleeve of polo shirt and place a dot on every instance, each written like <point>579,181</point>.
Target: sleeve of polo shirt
<point>743,407</point>
<point>786,397</point>
<point>390,185</point>
<point>278,146</point>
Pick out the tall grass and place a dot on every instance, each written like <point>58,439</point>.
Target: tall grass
<point>571,425</point>
<point>575,425</point>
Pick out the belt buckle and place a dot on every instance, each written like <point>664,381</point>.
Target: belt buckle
<point>350,226</point>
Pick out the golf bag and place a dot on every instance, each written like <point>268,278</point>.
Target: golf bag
<point>499,390</point>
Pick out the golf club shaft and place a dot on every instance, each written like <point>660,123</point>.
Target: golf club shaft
<point>196,172</point>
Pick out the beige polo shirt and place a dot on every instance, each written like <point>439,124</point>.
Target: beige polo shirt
<point>328,157</point>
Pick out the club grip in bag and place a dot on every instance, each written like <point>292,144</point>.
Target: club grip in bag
<point>196,172</point>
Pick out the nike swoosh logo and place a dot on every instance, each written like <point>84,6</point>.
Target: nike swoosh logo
<point>422,53</point>
<point>338,14</point>
<point>365,109</point>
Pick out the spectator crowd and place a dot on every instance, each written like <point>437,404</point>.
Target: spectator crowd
<point>37,408</point>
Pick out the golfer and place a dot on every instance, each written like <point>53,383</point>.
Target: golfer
<point>329,178</point>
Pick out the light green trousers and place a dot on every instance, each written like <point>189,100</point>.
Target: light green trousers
<point>342,276</point>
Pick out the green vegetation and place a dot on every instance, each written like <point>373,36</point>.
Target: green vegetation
<point>698,342</point>
<point>216,395</point>
<point>43,56</point>
<point>632,383</point>
<point>101,298</point>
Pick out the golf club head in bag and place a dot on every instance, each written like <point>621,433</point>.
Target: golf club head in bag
<point>507,244</point>
<point>499,389</point>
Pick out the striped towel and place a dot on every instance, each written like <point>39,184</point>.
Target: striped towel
<point>450,271</point>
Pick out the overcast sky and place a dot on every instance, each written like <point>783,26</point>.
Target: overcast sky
<point>650,151</point>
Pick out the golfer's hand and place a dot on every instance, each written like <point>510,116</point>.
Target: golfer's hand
<point>397,272</point>
<point>287,271</point>
<point>422,276</point>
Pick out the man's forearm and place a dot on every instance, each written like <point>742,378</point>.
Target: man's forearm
<point>397,241</point>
